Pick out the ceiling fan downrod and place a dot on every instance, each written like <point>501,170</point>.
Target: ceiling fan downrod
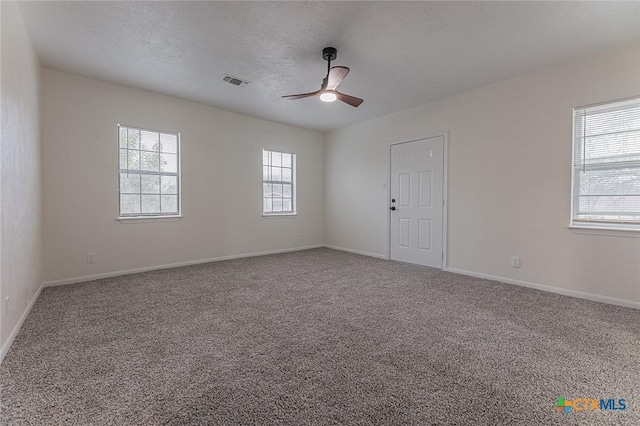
<point>329,54</point>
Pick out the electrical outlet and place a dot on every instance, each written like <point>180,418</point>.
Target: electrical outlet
<point>6,305</point>
<point>515,261</point>
<point>91,258</point>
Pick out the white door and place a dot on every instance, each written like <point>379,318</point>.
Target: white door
<point>417,203</point>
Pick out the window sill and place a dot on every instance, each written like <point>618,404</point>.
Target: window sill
<point>279,214</point>
<point>148,219</point>
<point>601,230</point>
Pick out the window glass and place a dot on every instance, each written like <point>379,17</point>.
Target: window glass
<point>278,182</point>
<point>149,172</point>
<point>606,165</point>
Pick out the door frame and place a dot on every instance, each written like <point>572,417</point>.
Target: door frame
<point>445,186</point>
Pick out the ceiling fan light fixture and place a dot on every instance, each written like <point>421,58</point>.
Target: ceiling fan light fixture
<point>328,96</point>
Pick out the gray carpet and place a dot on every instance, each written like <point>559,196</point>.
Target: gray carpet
<point>316,337</point>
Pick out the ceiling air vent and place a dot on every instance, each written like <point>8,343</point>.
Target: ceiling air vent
<point>235,80</point>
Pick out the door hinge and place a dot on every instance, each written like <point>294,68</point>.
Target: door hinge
<point>443,202</point>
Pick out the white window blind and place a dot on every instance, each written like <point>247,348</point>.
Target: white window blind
<point>278,183</point>
<point>148,173</point>
<point>606,165</point>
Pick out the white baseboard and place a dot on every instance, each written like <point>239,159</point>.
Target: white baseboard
<point>363,253</point>
<point>16,329</point>
<point>85,278</point>
<point>551,289</point>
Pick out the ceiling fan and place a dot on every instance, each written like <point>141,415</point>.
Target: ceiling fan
<point>335,75</point>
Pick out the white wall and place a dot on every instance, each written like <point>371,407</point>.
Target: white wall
<point>20,192</point>
<point>221,180</point>
<point>509,178</point>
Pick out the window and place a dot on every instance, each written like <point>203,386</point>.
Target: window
<point>606,166</point>
<point>149,173</point>
<point>278,183</point>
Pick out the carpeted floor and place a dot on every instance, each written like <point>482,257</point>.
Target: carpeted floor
<point>316,337</point>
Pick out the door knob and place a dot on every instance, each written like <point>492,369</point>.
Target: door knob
<point>392,207</point>
<point>393,200</point>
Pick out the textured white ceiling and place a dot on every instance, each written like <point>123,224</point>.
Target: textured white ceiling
<point>401,54</point>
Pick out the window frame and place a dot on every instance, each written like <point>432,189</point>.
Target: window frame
<point>293,183</point>
<point>159,216</point>
<point>598,227</point>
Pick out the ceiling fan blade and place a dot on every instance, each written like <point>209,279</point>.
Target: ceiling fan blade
<point>301,95</point>
<point>351,100</point>
<point>335,77</point>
